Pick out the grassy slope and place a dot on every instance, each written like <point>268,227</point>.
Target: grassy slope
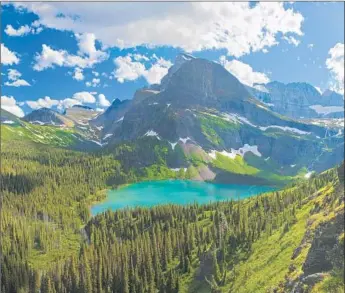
<point>211,125</point>
<point>50,135</point>
<point>237,165</point>
<point>269,263</point>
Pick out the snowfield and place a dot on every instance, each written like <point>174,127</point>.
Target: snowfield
<point>240,152</point>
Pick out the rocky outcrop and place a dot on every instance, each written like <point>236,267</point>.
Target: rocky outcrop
<point>325,240</point>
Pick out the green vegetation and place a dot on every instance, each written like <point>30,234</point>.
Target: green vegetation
<point>50,243</point>
<point>237,165</point>
<point>212,126</point>
<point>49,135</point>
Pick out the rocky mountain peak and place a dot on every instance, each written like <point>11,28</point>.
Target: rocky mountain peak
<point>205,82</point>
<point>179,61</point>
<point>45,116</point>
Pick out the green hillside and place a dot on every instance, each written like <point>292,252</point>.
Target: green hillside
<point>50,242</point>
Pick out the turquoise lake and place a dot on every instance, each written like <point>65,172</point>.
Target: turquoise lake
<point>150,193</point>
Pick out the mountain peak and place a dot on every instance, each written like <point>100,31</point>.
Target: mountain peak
<point>45,116</point>
<point>116,102</point>
<point>179,61</point>
<point>205,81</point>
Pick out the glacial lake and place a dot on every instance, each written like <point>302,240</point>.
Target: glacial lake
<point>150,193</point>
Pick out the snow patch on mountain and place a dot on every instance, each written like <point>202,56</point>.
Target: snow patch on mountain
<point>107,135</point>
<point>152,133</point>
<point>232,117</point>
<point>38,122</point>
<point>285,128</point>
<point>173,144</point>
<point>184,140</point>
<point>8,122</point>
<point>325,110</point>
<point>178,169</point>
<point>99,143</point>
<point>233,153</point>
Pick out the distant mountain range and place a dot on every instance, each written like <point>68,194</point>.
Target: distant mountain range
<point>202,117</point>
<point>300,100</point>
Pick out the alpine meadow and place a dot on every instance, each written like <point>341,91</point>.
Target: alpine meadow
<point>172,147</point>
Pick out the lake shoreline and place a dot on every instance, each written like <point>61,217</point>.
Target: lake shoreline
<point>173,191</point>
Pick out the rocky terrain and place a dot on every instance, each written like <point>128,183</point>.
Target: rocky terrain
<point>204,119</point>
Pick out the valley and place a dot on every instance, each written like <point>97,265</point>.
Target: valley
<point>193,185</point>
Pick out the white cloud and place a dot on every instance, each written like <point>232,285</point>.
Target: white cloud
<point>45,102</point>
<point>310,46</point>
<point>94,82</point>
<point>9,104</point>
<point>139,57</point>
<point>17,83</point>
<point>68,103</point>
<point>237,27</point>
<point>50,57</point>
<point>128,69</point>
<point>335,64</point>
<point>95,73</point>
<point>23,30</point>
<point>7,56</point>
<point>102,100</point>
<point>292,40</point>
<point>84,97</point>
<point>157,71</point>
<point>244,72</point>
<point>87,48</point>
<point>88,55</point>
<point>78,74</point>
<point>13,76</point>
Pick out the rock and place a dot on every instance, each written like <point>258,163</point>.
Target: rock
<point>311,280</point>
<point>296,252</point>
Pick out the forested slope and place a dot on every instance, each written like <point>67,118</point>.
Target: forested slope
<point>267,243</point>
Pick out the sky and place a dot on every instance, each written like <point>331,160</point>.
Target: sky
<point>57,55</point>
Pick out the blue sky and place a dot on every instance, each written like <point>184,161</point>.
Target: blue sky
<point>60,54</point>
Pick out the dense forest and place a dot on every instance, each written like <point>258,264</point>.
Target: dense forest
<point>50,242</point>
